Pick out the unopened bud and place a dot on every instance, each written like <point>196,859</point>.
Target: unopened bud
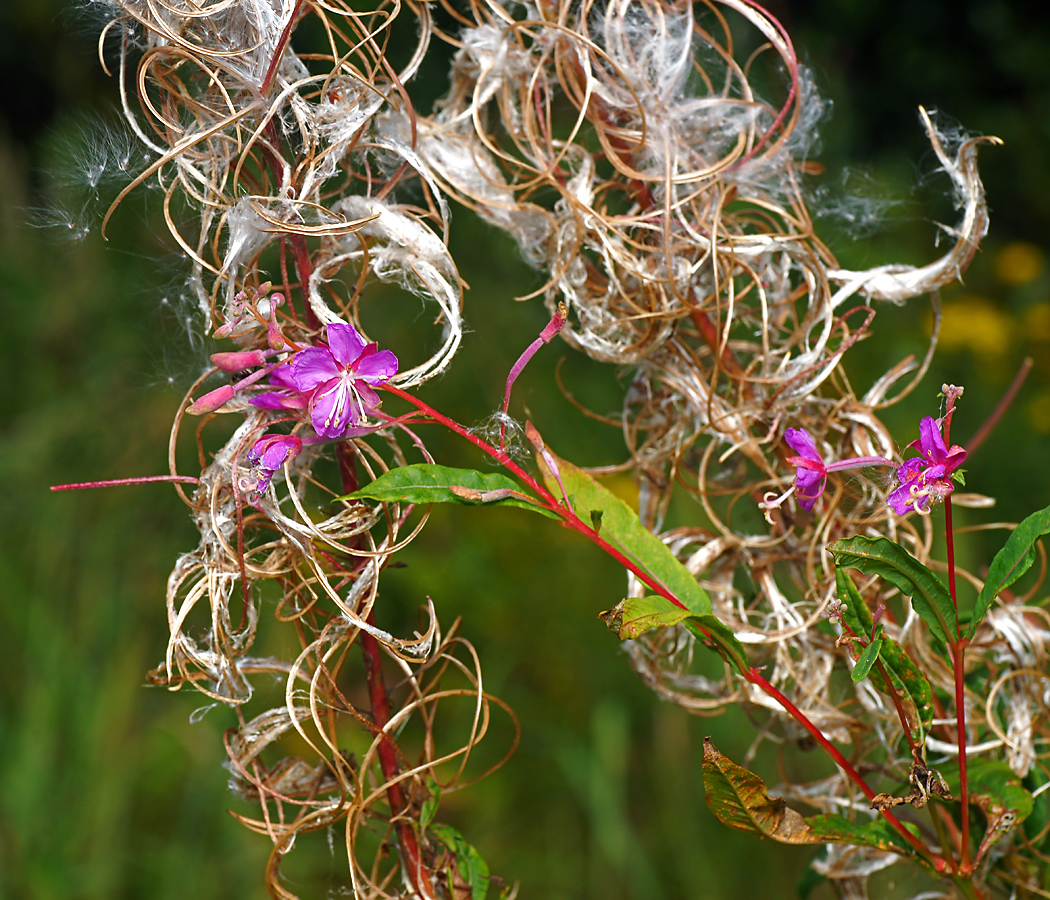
<point>239,360</point>
<point>212,400</point>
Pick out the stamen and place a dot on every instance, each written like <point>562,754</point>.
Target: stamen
<point>771,501</point>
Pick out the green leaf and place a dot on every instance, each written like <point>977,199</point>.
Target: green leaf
<point>636,615</point>
<point>470,866</point>
<point>994,787</point>
<point>835,829</point>
<point>866,659</point>
<point>892,563</point>
<point>621,527</point>
<point>428,483</point>
<point>857,616</point>
<point>738,798</point>
<point>430,806</point>
<point>721,639</point>
<point>1010,563</point>
<point>910,685</point>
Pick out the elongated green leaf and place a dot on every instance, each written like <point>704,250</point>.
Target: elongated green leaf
<point>866,660</point>
<point>911,686</point>
<point>907,682</point>
<point>882,557</point>
<point>430,806</point>
<point>620,526</point>
<point>636,615</point>
<point>858,616</point>
<point>428,483</point>
<point>738,798</point>
<point>1010,563</point>
<point>835,829</point>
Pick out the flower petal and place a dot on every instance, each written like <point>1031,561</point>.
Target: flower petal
<point>809,485</point>
<point>312,367</point>
<point>268,454</point>
<point>331,408</point>
<point>282,377</point>
<point>376,368</point>
<point>345,343</point>
<point>901,499</point>
<point>930,441</point>
<point>801,441</point>
<point>273,450</point>
<point>955,458</point>
<point>280,400</point>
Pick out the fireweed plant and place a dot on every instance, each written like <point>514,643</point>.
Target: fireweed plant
<point>628,152</point>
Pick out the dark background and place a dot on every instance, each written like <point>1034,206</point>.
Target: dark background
<point>106,788</point>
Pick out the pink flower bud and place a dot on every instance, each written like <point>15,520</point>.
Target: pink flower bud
<point>238,360</point>
<point>212,400</point>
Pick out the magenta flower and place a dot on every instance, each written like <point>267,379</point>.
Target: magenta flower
<point>811,475</point>
<point>287,395</point>
<point>811,472</point>
<point>339,380</point>
<point>926,479</point>
<point>267,455</point>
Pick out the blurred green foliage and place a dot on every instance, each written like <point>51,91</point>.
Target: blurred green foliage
<point>106,788</point>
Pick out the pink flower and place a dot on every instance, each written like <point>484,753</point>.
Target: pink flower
<point>267,455</point>
<point>811,472</point>
<point>811,475</point>
<point>926,479</point>
<point>339,380</point>
<point>287,395</point>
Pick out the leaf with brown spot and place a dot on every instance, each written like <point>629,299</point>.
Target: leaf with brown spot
<point>738,798</point>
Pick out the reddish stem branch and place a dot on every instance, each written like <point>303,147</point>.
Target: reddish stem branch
<point>549,501</point>
<point>120,482</point>
<point>958,650</point>
<point>1001,407</point>
<point>957,647</point>
<point>755,677</point>
<point>387,751</point>
<point>388,761</point>
<point>571,520</point>
<point>278,52</point>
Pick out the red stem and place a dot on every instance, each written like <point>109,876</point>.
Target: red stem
<point>1001,407</point>
<point>549,501</point>
<point>120,482</point>
<point>278,52</point>
<point>571,520</point>
<point>387,751</point>
<point>756,679</point>
<point>409,846</point>
<point>958,652</point>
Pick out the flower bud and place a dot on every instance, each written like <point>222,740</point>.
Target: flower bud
<point>212,400</point>
<point>238,360</point>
